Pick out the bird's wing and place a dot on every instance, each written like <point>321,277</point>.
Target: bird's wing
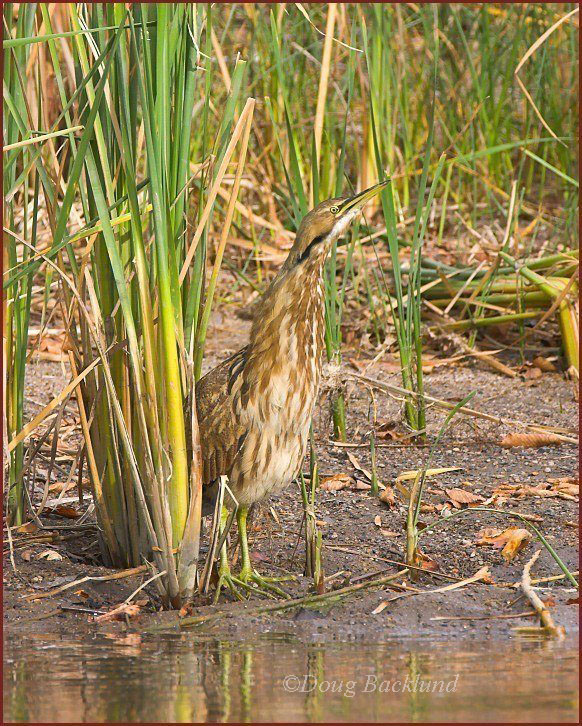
<point>221,433</point>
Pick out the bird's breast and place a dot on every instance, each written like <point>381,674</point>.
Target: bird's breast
<point>275,393</point>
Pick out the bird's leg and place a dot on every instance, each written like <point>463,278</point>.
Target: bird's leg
<point>225,579</point>
<point>247,573</point>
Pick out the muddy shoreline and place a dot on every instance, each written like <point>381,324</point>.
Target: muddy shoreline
<point>361,535</point>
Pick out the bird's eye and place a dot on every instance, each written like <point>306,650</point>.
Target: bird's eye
<point>334,209</point>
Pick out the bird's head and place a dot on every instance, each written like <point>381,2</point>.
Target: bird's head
<point>325,224</point>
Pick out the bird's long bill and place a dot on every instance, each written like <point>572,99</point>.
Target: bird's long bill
<point>358,200</point>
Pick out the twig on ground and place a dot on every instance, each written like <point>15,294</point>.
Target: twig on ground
<point>328,597</point>
<point>481,574</point>
<point>548,626</point>
<point>499,616</point>
<point>389,388</point>
<point>103,578</point>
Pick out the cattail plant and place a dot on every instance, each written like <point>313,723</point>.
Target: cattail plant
<point>21,192</point>
<point>136,306</point>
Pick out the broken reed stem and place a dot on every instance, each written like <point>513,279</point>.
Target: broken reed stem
<point>557,290</point>
<point>493,320</point>
<point>547,624</point>
<point>247,116</point>
<point>313,542</point>
<point>411,530</point>
<point>308,570</point>
<point>119,575</point>
<point>287,604</point>
<point>238,130</point>
<point>323,84</point>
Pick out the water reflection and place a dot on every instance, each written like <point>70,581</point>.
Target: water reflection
<point>187,678</point>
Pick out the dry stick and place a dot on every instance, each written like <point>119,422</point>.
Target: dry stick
<point>141,587</point>
<point>438,575</point>
<point>547,624</point>
<point>221,62</point>
<point>553,578</point>
<point>481,574</point>
<point>502,616</point>
<point>288,604</point>
<point>99,500</point>
<point>40,139</point>
<point>529,53</point>
<point>323,83</point>
<point>486,357</point>
<point>103,578</point>
<point>389,388</point>
<point>25,431</point>
<point>238,130</point>
<point>248,116</point>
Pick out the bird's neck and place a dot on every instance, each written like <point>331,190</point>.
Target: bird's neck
<point>288,323</point>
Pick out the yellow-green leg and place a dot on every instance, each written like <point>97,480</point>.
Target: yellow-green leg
<point>225,578</point>
<point>247,574</point>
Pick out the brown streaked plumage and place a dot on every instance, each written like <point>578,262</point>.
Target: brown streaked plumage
<point>255,408</point>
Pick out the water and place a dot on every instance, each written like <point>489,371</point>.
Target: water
<point>189,678</point>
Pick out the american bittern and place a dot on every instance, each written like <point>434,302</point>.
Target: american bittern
<point>255,408</point>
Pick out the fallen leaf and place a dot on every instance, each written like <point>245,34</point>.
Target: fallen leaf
<point>510,540</point>
<point>427,508</point>
<point>387,497</point>
<point>543,364</point>
<point>387,430</point>
<point>336,483</point>
<point>566,485</point>
<point>356,464</point>
<point>186,610</point>
<point>426,562</point>
<point>119,613</point>
<point>26,555</point>
<point>460,497</point>
<point>533,373</point>
<point>60,486</point>
<point>378,520</point>
<point>49,555</point>
<point>530,440</point>
<point>360,485</point>
<point>27,528</point>
<point>407,475</point>
<point>563,488</point>
<point>388,533</point>
<point>68,512</point>
<point>381,606</point>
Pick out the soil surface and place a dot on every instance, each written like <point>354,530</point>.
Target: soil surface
<point>363,537</point>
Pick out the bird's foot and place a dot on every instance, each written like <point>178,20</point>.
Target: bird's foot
<point>227,581</point>
<point>257,583</point>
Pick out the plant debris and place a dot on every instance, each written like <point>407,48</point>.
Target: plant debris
<point>511,540</point>
<point>531,440</point>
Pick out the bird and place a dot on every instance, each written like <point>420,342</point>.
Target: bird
<point>254,409</point>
